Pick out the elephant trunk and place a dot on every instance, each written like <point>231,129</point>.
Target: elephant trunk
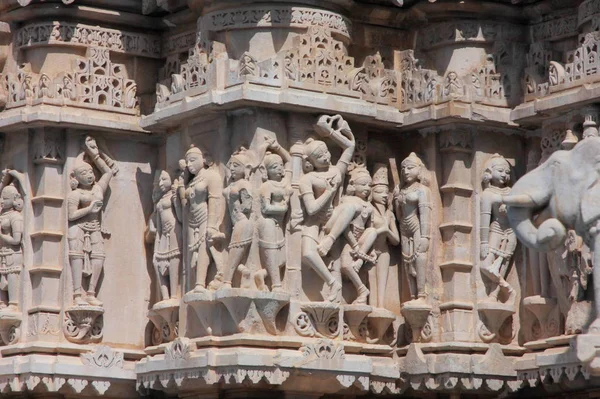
<point>550,234</point>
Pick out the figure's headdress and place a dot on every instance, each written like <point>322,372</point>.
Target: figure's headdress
<point>380,175</point>
<point>413,158</point>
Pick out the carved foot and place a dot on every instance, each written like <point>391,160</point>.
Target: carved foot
<point>363,295</point>
<point>335,291</point>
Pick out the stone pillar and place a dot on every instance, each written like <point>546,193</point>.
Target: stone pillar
<point>48,187</point>
<point>457,233</point>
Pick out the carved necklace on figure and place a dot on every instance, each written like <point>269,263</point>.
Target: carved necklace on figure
<point>406,191</point>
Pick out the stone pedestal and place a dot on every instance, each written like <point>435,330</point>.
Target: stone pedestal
<point>10,326</point>
<point>493,315</point>
<point>355,317</point>
<point>205,308</point>
<point>83,324</point>
<point>416,313</point>
<point>379,321</point>
<point>165,318</point>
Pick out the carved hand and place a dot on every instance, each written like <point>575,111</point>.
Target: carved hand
<point>272,143</point>
<point>213,235</point>
<point>91,146</point>
<point>423,245</point>
<point>484,250</point>
<point>96,206</point>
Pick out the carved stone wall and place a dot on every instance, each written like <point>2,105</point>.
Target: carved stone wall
<point>299,199</point>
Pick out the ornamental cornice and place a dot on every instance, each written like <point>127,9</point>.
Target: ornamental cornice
<point>275,17</point>
<point>75,34</point>
<point>445,33</point>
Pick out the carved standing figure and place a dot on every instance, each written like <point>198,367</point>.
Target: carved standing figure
<point>164,229</point>
<point>202,204</point>
<point>84,203</point>
<point>275,195</point>
<point>318,188</point>
<point>412,202</point>
<point>353,218</point>
<point>11,240</point>
<point>239,201</point>
<point>498,240</point>
<point>384,222</point>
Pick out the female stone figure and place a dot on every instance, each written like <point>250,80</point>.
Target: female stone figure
<point>239,201</point>
<point>84,203</point>
<point>387,232</point>
<point>412,202</point>
<point>164,230</point>
<point>11,240</point>
<point>275,195</point>
<point>353,217</point>
<point>498,241</point>
<point>318,187</point>
<point>201,201</point>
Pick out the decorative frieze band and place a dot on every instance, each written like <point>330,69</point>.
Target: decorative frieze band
<point>588,10</point>
<point>275,16</point>
<point>178,43</point>
<point>555,29</point>
<point>467,31</point>
<point>75,34</point>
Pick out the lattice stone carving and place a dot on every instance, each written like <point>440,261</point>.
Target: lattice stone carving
<point>93,82</point>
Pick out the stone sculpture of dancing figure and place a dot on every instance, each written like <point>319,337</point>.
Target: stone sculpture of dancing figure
<point>412,202</point>
<point>201,202</point>
<point>318,188</point>
<point>84,204</point>
<point>11,240</point>
<point>164,230</point>
<point>384,222</point>
<point>353,218</point>
<point>275,195</point>
<point>498,241</point>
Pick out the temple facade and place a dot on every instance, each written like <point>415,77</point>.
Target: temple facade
<point>299,198</point>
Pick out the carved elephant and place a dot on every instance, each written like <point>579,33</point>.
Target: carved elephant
<point>562,193</point>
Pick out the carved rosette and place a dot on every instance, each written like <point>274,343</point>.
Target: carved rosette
<point>319,319</point>
<point>83,324</point>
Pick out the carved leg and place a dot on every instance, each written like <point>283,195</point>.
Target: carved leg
<point>270,258</point>
<point>361,289</point>
<point>13,291</point>
<point>236,258</point>
<point>421,263</point>
<point>77,272</point>
<point>383,270</point>
<point>174,270</point>
<point>163,283</point>
<point>97,265</point>
<point>201,259</point>
<point>311,258</point>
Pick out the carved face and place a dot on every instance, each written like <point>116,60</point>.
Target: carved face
<point>85,175</point>
<point>194,162</point>
<point>275,169</point>
<point>321,157</point>
<point>410,171</point>
<point>381,194</point>
<point>236,168</point>
<point>362,188</point>
<point>9,195</point>
<point>500,174</point>
<point>164,182</point>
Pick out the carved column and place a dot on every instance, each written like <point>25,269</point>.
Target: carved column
<point>48,186</point>
<point>457,233</point>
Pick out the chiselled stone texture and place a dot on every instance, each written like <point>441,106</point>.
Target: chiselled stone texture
<point>220,198</point>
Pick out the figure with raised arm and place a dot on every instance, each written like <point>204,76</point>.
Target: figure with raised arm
<point>275,195</point>
<point>318,188</point>
<point>84,205</point>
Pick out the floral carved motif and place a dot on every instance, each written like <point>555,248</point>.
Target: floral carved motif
<point>75,34</point>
